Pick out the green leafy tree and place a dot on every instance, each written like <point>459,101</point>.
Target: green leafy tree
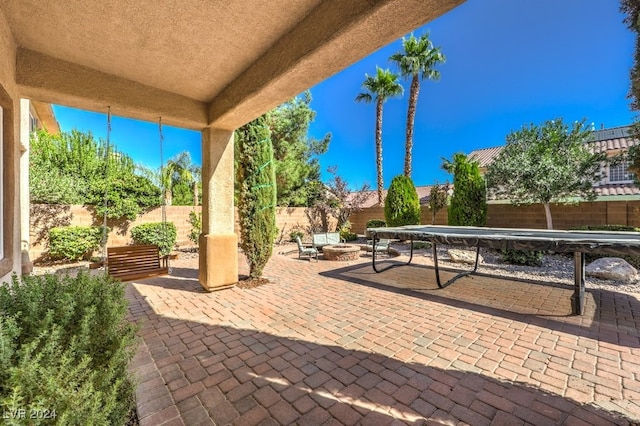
<point>546,164</point>
<point>257,194</point>
<point>468,204</point>
<point>77,161</point>
<point>402,206</point>
<point>438,197</point>
<point>378,89</point>
<point>417,61</point>
<point>295,153</point>
<point>632,10</point>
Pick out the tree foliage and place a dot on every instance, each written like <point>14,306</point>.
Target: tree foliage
<point>295,153</point>
<point>417,61</point>
<point>402,206</point>
<point>72,168</point>
<point>378,88</point>
<point>336,200</point>
<point>257,193</point>
<point>468,204</point>
<point>631,8</point>
<point>546,164</point>
<point>438,197</point>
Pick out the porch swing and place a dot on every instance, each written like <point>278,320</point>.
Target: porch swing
<point>133,262</point>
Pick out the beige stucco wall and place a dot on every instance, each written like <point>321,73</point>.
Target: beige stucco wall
<point>9,100</point>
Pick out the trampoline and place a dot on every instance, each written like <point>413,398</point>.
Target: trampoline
<point>577,242</point>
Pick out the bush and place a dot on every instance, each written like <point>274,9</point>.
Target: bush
<point>522,257</point>
<point>402,206</point>
<point>590,257</point>
<point>294,234</point>
<point>256,173</point>
<point>195,220</point>
<point>66,346</point>
<point>468,204</point>
<point>74,242</point>
<point>163,235</point>
<point>417,245</point>
<point>376,223</point>
<point>347,235</point>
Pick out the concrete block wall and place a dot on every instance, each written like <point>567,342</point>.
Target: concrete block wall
<point>289,219</point>
<point>44,217</point>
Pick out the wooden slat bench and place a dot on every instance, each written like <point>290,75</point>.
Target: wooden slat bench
<point>136,262</point>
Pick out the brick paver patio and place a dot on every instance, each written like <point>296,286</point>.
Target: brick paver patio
<point>335,343</point>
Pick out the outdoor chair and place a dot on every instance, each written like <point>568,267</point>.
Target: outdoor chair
<point>310,252</point>
<point>382,246</point>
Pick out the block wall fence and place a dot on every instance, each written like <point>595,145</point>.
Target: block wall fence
<point>44,217</point>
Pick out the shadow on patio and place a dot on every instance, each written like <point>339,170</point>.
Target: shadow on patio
<point>313,349</point>
<point>609,316</point>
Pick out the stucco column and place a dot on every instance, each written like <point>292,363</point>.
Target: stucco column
<point>25,241</point>
<point>218,241</point>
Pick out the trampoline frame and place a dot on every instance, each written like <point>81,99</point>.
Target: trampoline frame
<point>578,242</point>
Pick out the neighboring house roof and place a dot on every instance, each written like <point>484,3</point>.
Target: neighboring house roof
<point>45,114</point>
<point>485,156</point>
<point>609,141</point>
<point>423,196</point>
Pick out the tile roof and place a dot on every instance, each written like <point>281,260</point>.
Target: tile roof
<point>605,140</point>
<point>610,189</point>
<point>423,196</point>
<point>485,156</point>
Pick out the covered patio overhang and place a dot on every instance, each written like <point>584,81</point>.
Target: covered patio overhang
<point>210,66</point>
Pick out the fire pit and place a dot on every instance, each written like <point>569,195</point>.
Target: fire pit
<point>341,252</point>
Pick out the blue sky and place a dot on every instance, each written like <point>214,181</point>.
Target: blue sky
<point>509,63</point>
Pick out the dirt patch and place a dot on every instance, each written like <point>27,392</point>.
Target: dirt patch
<point>247,282</point>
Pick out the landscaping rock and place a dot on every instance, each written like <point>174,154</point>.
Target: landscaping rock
<point>612,268</point>
<point>464,256</point>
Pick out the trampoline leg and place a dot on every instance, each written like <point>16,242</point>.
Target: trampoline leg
<point>373,257</point>
<point>460,275</point>
<point>577,299</point>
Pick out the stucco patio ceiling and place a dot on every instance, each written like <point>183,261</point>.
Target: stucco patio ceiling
<point>196,63</point>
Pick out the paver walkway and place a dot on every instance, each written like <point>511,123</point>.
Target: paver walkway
<point>335,343</point>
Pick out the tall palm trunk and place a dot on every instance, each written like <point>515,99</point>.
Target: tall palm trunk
<point>379,148</point>
<point>411,115</point>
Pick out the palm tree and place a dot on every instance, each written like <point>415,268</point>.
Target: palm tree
<point>379,88</point>
<point>416,62</point>
<point>179,170</point>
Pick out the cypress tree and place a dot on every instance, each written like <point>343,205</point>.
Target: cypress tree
<point>257,194</point>
<point>468,206</point>
<point>402,206</point>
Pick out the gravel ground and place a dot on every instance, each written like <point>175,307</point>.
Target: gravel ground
<point>558,268</point>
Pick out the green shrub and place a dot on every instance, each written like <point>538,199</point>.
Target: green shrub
<point>74,242</point>
<point>417,245</point>
<point>256,174</point>
<point>376,223</point>
<point>612,228</point>
<point>195,220</point>
<point>522,257</point>
<point>294,234</point>
<point>347,235</point>
<point>163,235</point>
<point>402,206</point>
<point>468,204</point>
<point>66,346</point>
<point>590,257</point>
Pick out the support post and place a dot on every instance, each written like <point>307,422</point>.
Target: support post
<point>218,242</point>
<point>25,214</point>
<point>577,299</point>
